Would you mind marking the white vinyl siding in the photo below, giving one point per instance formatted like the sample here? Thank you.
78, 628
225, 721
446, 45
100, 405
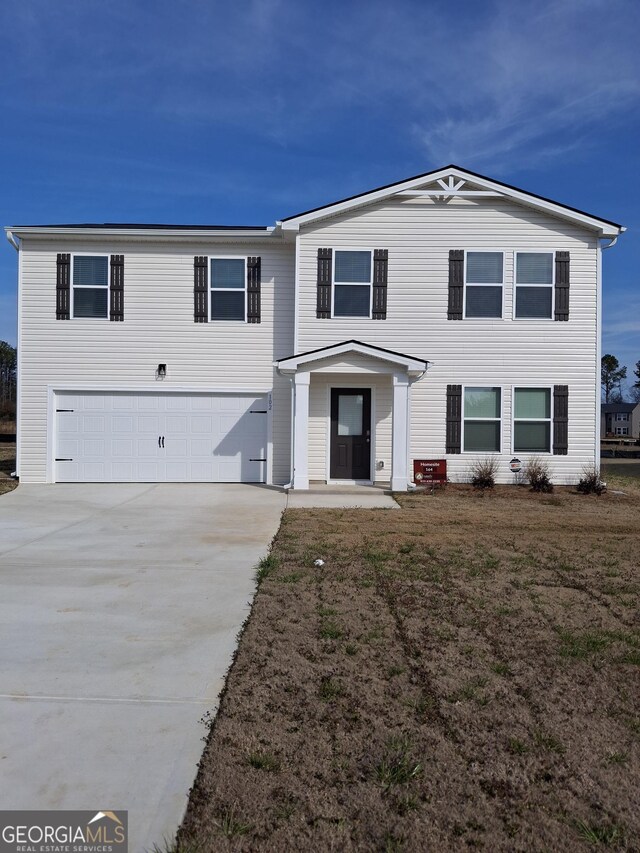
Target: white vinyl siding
484, 353
159, 328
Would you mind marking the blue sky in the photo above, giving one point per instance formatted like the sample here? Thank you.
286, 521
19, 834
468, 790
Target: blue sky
200, 111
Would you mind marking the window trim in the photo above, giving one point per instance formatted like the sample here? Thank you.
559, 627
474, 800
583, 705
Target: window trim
548, 420
622, 431
210, 287
72, 286
552, 286
463, 418
484, 250
335, 316
622, 416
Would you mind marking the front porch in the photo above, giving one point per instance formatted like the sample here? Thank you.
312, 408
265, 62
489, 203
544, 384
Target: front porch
351, 405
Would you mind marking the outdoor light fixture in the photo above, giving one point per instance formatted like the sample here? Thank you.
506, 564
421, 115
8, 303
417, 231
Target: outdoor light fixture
161, 372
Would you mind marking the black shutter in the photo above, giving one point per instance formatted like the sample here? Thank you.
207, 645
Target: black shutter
454, 419
380, 275
116, 288
323, 307
63, 287
562, 286
200, 286
456, 284
253, 290
560, 420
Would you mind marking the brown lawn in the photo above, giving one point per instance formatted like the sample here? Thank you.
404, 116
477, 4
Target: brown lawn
461, 673
7, 465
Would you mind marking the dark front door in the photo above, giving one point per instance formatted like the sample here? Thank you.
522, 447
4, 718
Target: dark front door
350, 434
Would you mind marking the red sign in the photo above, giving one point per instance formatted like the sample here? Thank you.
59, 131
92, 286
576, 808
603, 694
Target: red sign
429, 471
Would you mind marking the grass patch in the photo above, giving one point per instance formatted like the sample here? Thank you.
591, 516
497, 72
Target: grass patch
397, 766
264, 761
604, 835
266, 567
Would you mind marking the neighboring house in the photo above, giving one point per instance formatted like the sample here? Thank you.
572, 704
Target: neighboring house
447, 316
620, 419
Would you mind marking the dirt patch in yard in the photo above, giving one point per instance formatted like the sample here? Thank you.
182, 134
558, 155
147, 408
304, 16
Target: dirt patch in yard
7, 466
461, 673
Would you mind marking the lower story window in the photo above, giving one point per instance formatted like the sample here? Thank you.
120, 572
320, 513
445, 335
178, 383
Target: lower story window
482, 419
532, 420
622, 430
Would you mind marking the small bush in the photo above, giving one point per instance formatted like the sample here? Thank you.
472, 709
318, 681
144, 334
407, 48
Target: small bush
537, 472
590, 482
483, 473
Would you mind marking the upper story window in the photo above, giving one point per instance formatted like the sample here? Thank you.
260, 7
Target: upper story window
483, 279
534, 285
90, 278
622, 416
481, 414
532, 420
228, 289
352, 281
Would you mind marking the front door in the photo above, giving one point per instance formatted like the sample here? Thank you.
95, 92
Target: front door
350, 434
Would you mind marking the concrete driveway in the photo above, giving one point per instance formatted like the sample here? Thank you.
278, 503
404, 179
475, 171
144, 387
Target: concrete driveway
119, 610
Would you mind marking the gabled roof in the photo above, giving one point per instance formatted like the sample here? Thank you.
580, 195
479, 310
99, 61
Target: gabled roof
408, 362
618, 408
489, 185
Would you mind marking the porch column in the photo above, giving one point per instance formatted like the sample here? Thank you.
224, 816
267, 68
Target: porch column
301, 431
399, 433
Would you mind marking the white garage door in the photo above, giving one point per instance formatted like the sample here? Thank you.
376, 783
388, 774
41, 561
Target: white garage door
160, 438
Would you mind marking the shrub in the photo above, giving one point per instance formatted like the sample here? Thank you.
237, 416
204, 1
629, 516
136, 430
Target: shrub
483, 473
590, 482
537, 472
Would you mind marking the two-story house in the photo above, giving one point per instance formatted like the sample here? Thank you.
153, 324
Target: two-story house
621, 419
446, 316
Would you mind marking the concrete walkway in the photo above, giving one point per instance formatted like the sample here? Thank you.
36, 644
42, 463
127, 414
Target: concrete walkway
342, 497
119, 610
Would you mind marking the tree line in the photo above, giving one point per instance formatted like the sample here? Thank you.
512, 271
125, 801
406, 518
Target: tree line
8, 365
611, 375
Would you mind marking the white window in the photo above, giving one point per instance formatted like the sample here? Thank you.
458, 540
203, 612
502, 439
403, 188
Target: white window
352, 283
532, 420
483, 280
228, 288
622, 430
622, 416
534, 285
90, 279
482, 419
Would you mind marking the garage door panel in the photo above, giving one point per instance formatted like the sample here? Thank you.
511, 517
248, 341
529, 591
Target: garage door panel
122, 448
94, 447
115, 437
122, 423
93, 423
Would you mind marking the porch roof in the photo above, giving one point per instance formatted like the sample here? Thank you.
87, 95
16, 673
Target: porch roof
405, 362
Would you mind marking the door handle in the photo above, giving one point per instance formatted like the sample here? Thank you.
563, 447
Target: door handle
159, 445
163, 442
